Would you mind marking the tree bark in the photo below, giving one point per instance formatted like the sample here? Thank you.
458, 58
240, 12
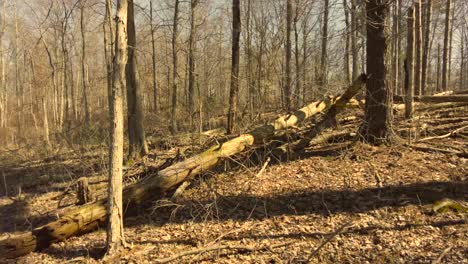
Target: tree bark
153, 60
298, 89
377, 128
418, 49
233, 94
409, 64
347, 44
191, 58
324, 54
445, 56
136, 131
426, 50
354, 37
174, 68
115, 232
84, 76
287, 84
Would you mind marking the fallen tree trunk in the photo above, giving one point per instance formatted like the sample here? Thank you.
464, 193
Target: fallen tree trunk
90, 216
328, 120
434, 99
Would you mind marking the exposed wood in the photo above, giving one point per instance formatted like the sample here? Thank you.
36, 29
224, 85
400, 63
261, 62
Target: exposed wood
435, 99
88, 217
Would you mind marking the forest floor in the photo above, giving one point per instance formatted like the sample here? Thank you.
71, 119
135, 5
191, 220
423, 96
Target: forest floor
356, 204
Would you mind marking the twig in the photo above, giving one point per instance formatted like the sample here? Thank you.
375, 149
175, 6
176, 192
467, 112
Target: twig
444, 253
217, 248
180, 190
454, 132
332, 235
263, 168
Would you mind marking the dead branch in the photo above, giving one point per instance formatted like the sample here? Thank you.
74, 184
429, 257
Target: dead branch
454, 132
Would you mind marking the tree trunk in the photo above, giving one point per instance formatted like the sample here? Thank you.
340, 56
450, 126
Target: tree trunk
174, 68
115, 232
426, 50
438, 88
445, 56
396, 47
378, 113
153, 60
251, 100
324, 54
419, 48
298, 89
450, 47
83, 65
354, 37
136, 130
409, 64
287, 84
347, 44
233, 94
108, 49
191, 58
462, 59
90, 216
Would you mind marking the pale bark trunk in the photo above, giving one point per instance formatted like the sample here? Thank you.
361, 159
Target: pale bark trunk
297, 57
396, 47
115, 233
438, 88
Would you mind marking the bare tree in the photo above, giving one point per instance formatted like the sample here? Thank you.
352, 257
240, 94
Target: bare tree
377, 128
153, 60
445, 56
191, 58
409, 65
115, 232
84, 74
233, 94
324, 56
136, 130
419, 48
347, 43
287, 84
174, 70
426, 46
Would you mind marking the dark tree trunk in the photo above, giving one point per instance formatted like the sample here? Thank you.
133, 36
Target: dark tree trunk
409, 66
378, 113
233, 94
445, 56
287, 84
136, 130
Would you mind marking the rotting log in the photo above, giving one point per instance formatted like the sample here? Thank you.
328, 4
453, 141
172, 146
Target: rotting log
434, 99
90, 216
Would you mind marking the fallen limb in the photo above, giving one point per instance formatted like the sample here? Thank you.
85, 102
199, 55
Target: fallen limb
434, 99
452, 133
88, 217
218, 248
462, 154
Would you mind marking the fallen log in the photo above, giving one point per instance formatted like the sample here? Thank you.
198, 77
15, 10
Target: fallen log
90, 216
328, 121
434, 99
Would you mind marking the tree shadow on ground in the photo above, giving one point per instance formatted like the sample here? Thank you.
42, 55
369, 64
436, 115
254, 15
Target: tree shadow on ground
322, 202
